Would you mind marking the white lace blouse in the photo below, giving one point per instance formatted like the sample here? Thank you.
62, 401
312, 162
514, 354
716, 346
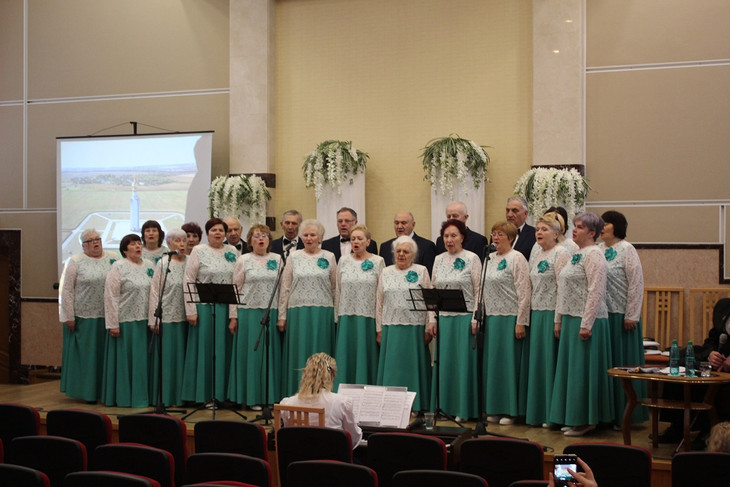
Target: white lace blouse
154, 255
625, 279
357, 285
461, 270
173, 300
255, 276
507, 287
127, 292
208, 265
82, 286
394, 301
545, 267
582, 287
308, 280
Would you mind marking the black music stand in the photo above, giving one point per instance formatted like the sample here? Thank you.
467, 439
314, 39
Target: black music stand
212, 293
438, 300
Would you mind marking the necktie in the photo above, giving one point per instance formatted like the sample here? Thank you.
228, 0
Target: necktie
286, 241
344, 239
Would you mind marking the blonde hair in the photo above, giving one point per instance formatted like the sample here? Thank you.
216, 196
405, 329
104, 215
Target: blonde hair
719, 439
555, 222
319, 373
363, 229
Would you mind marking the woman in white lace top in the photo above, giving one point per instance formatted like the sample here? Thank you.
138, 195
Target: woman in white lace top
152, 238
81, 311
208, 263
255, 276
356, 349
457, 368
126, 298
545, 266
624, 294
507, 308
173, 321
583, 392
404, 356
307, 304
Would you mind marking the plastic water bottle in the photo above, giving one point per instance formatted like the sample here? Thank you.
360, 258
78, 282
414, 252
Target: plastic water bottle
674, 359
689, 361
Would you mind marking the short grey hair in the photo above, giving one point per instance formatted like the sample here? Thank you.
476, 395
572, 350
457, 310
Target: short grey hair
175, 233
591, 220
522, 201
407, 240
311, 222
86, 233
294, 213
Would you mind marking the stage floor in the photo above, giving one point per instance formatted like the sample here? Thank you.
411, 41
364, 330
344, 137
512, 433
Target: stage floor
45, 396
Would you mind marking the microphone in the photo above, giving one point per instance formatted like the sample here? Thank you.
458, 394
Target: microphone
491, 248
288, 246
722, 341
172, 252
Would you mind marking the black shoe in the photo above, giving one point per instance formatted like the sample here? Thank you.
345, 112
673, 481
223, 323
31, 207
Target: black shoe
670, 435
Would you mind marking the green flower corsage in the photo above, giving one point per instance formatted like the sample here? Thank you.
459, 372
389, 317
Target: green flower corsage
230, 256
150, 272
412, 276
272, 265
576, 258
459, 264
610, 254
542, 266
323, 263
502, 265
366, 265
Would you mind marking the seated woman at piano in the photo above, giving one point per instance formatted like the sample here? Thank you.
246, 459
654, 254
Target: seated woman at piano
315, 390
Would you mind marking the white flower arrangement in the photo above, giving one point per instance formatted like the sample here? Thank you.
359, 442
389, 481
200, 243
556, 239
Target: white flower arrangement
546, 187
453, 159
333, 162
237, 195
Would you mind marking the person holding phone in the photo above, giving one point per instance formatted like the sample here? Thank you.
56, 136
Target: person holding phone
582, 479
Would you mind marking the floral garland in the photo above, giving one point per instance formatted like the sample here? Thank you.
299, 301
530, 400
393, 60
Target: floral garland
546, 187
452, 159
333, 162
234, 195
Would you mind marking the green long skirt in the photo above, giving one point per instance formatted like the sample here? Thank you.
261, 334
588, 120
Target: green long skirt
628, 349
541, 373
199, 355
583, 391
126, 371
174, 341
309, 330
456, 371
247, 381
505, 367
356, 351
82, 364
406, 362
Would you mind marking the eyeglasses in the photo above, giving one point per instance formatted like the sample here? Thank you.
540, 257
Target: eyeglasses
260, 235
498, 234
92, 240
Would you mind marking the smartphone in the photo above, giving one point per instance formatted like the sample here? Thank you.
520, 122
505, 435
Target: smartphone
562, 464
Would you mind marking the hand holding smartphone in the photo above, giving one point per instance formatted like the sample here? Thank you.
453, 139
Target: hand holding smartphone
560, 472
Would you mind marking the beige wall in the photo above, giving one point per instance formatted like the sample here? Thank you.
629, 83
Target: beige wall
390, 76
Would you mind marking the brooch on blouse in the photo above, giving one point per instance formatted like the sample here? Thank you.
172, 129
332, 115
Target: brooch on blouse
323, 263
610, 254
542, 266
230, 256
367, 265
502, 265
150, 272
271, 264
459, 264
576, 258
111, 261
412, 276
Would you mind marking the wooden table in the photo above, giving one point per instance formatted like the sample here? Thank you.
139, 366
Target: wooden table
654, 403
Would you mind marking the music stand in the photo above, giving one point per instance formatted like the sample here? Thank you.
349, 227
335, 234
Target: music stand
437, 300
213, 293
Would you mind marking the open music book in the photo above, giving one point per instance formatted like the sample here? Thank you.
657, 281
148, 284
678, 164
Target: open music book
379, 405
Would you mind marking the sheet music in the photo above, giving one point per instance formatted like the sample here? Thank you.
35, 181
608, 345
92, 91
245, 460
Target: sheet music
379, 405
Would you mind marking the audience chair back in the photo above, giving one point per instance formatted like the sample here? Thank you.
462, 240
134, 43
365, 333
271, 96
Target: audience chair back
327, 473
91, 428
136, 459
437, 478
706, 469
12, 475
17, 420
389, 453
52, 455
108, 479
615, 464
160, 431
231, 437
296, 443
501, 461
214, 467
297, 415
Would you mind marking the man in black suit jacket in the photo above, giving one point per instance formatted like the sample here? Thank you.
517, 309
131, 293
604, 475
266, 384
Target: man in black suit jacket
403, 223
233, 235
474, 242
346, 219
516, 213
290, 221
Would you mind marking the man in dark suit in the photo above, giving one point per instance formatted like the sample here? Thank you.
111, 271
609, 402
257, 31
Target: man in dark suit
474, 242
290, 241
516, 213
233, 235
403, 224
340, 244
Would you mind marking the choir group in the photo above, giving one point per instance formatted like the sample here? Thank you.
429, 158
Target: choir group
554, 314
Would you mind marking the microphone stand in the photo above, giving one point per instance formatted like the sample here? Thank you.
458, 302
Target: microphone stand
266, 415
